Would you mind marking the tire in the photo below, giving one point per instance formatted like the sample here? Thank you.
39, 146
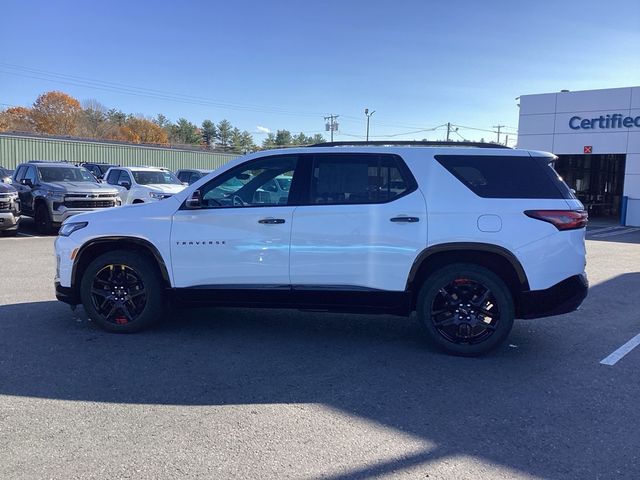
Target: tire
42, 220
465, 309
130, 297
136, 201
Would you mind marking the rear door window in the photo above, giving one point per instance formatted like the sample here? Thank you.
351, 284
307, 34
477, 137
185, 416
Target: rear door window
358, 178
503, 176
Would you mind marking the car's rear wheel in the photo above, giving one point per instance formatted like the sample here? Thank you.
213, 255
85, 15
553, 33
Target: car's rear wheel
121, 292
465, 309
42, 220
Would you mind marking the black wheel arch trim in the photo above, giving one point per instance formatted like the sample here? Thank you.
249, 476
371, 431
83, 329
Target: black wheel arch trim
136, 240
468, 246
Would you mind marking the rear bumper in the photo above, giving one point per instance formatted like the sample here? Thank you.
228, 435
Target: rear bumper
67, 294
564, 297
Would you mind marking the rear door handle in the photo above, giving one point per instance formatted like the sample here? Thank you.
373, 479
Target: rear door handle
271, 221
405, 219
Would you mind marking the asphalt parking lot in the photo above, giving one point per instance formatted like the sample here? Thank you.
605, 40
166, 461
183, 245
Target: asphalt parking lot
235, 393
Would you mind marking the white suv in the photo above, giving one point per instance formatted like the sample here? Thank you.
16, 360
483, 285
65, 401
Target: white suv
143, 184
469, 238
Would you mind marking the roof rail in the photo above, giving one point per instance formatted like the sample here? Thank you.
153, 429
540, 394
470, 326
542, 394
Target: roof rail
50, 161
409, 143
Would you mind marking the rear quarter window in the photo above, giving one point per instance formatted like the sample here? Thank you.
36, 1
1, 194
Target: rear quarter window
506, 176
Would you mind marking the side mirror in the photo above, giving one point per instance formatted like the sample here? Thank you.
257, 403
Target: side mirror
126, 185
27, 182
195, 201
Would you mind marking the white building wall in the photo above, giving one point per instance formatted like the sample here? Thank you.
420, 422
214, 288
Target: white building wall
544, 125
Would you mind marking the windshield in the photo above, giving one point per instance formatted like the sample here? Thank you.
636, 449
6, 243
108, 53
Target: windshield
284, 182
65, 174
155, 177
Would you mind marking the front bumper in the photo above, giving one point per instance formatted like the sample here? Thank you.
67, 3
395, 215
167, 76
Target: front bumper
60, 215
9, 220
67, 294
564, 297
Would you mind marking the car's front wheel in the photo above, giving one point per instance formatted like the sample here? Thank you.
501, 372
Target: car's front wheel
121, 292
465, 309
42, 220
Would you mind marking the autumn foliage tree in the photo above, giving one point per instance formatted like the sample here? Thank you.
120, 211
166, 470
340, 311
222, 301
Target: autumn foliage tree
18, 119
141, 130
56, 113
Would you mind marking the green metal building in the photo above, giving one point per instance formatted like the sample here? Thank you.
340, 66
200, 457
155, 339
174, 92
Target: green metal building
16, 148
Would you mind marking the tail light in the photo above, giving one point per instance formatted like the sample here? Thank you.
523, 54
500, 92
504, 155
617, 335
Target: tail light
561, 219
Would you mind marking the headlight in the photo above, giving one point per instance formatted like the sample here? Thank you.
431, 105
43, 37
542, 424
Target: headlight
157, 196
55, 196
68, 228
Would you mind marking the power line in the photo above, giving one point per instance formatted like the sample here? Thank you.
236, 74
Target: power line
141, 92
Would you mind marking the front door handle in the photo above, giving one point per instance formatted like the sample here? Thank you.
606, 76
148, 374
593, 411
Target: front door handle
405, 219
271, 221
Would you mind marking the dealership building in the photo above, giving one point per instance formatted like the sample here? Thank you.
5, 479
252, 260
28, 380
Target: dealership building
596, 136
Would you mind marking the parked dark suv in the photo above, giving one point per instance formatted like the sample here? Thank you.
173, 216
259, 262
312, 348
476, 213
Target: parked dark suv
51, 192
98, 169
191, 175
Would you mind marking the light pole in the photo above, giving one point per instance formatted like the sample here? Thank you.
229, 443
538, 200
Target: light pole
366, 112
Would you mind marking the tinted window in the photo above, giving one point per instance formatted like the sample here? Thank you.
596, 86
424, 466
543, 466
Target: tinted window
65, 174
102, 169
94, 169
31, 175
195, 176
124, 178
112, 178
184, 175
155, 177
357, 178
251, 184
506, 176
19, 174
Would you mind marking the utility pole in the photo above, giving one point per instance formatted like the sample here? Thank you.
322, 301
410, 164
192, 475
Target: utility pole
366, 112
449, 130
331, 125
498, 127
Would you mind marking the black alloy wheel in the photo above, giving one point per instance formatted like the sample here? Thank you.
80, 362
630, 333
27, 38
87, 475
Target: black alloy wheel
118, 294
122, 291
465, 309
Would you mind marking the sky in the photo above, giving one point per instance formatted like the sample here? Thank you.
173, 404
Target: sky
285, 65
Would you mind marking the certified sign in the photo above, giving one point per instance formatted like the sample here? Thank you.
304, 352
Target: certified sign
615, 120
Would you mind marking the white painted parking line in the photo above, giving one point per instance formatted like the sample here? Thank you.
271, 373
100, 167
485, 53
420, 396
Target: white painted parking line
592, 231
22, 234
615, 233
622, 351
